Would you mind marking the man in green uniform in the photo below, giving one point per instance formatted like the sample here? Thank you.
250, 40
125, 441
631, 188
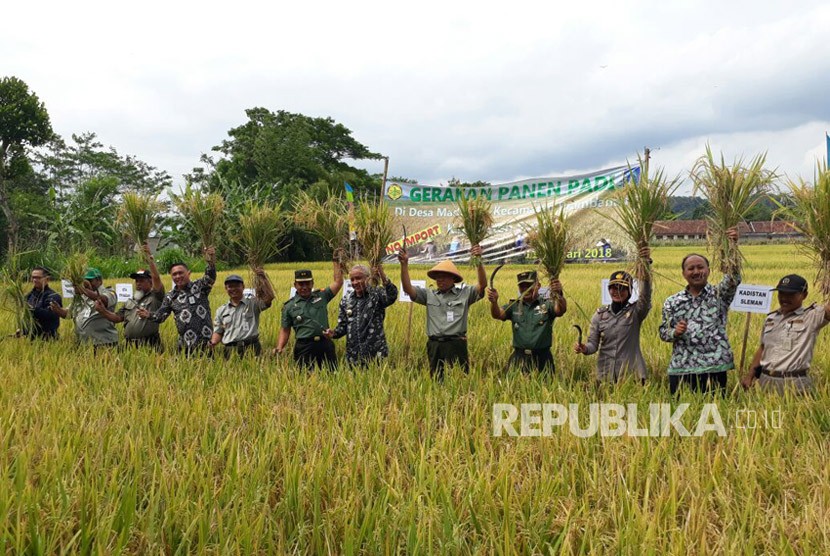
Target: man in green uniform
447, 309
236, 324
787, 340
149, 293
532, 318
307, 314
90, 326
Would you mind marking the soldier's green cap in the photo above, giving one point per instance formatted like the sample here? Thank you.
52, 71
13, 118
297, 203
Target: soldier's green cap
92, 274
302, 276
527, 277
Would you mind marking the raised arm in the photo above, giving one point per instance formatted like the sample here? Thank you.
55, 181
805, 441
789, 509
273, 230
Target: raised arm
560, 304
406, 283
158, 286
337, 281
389, 292
643, 305
495, 311
481, 274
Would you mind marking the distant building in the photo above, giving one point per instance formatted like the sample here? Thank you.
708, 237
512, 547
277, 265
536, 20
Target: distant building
669, 230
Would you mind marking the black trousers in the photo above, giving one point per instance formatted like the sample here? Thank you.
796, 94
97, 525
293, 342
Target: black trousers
443, 352
310, 352
538, 359
199, 347
243, 347
702, 382
153, 341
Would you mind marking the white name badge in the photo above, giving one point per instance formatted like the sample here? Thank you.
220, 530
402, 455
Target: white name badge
248, 293
124, 292
66, 289
402, 297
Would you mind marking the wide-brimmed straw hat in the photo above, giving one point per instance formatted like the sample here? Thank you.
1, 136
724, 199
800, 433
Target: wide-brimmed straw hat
447, 267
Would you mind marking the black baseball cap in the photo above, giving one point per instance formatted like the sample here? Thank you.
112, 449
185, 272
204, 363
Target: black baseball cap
302, 276
791, 283
141, 273
234, 278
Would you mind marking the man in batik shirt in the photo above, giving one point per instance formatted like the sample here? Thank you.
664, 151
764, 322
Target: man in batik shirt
188, 301
694, 321
362, 312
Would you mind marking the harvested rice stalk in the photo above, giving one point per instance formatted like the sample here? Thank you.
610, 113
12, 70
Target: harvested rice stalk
810, 215
203, 213
137, 216
476, 216
550, 240
13, 295
261, 236
374, 224
328, 220
732, 191
639, 203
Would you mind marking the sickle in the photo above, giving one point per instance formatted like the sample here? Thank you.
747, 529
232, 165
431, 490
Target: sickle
579, 329
404, 236
493, 276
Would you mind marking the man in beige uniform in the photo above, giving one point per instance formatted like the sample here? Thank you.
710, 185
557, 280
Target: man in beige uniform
237, 322
787, 340
90, 326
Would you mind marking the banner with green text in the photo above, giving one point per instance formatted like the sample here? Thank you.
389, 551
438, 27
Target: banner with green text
429, 213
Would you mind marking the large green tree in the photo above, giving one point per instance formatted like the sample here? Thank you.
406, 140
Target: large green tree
24, 124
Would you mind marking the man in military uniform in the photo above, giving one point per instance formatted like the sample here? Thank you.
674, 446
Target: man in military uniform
787, 340
532, 318
447, 310
307, 314
45, 322
90, 326
149, 293
189, 303
237, 322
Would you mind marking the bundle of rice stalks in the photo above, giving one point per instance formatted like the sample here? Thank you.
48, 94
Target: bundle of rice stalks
13, 294
74, 268
202, 212
732, 192
810, 214
639, 203
328, 220
137, 216
262, 234
476, 220
374, 225
550, 240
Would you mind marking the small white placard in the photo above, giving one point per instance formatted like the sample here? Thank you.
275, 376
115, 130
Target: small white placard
124, 292
606, 297
292, 293
248, 293
67, 289
402, 297
752, 299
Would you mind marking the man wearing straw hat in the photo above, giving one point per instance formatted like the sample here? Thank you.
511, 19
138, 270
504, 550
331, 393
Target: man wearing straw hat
787, 340
447, 309
532, 319
307, 314
237, 322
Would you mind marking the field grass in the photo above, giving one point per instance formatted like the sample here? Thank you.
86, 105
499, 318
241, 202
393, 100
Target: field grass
138, 453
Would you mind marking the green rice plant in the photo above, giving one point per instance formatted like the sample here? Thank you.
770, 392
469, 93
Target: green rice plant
476, 219
810, 215
137, 216
202, 212
550, 240
639, 203
262, 231
732, 192
328, 220
74, 269
13, 294
375, 227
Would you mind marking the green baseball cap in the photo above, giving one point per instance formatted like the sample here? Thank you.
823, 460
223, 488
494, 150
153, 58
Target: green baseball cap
92, 274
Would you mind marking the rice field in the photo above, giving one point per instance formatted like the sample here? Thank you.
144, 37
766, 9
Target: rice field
138, 453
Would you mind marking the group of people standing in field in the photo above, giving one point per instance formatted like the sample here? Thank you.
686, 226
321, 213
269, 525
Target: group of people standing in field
693, 320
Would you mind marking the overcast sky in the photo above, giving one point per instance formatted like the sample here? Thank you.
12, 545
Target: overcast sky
475, 90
